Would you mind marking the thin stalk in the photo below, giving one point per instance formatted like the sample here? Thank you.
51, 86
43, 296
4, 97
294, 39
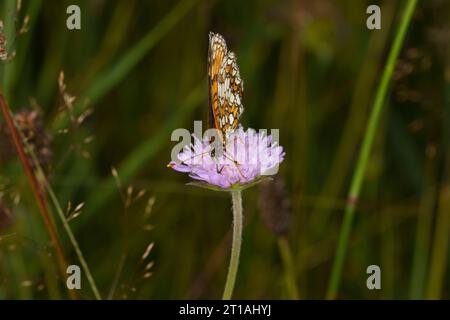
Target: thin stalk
19, 141
364, 154
112, 291
106, 80
37, 189
438, 272
8, 18
14, 67
424, 230
236, 198
438, 262
289, 270
140, 156
72, 239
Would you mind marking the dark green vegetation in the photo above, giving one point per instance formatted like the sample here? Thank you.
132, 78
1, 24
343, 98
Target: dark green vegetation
311, 69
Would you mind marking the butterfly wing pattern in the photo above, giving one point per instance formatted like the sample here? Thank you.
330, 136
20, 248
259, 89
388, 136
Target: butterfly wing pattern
225, 87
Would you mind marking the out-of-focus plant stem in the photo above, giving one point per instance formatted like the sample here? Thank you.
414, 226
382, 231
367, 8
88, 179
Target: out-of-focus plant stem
36, 187
19, 144
289, 270
438, 261
440, 247
364, 154
109, 78
9, 9
14, 68
424, 230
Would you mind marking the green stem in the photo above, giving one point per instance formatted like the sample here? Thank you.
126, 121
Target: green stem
288, 262
41, 176
364, 154
9, 7
438, 260
112, 292
236, 197
72, 238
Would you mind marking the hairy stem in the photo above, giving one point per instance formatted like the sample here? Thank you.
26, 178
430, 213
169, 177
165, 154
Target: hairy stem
236, 197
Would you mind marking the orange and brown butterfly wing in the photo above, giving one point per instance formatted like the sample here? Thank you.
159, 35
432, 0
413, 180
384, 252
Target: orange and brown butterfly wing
216, 54
225, 87
230, 90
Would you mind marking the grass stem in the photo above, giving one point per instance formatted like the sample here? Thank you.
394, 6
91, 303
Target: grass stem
19, 142
364, 154
288, 262
35, 186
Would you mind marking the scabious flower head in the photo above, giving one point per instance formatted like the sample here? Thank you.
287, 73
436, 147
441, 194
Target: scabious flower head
247, 157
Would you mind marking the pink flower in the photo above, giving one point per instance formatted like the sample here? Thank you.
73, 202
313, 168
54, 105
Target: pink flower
248, 157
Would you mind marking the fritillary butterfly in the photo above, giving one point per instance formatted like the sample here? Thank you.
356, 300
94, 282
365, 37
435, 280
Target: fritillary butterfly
225, 87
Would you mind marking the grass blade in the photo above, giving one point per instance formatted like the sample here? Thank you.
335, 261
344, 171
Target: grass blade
364, 154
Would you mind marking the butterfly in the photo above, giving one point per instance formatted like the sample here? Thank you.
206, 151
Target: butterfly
225, 88
225, 95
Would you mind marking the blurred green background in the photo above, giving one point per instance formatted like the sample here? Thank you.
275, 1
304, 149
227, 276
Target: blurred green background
311, 68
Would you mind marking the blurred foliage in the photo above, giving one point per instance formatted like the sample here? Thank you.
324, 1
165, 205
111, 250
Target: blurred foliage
138, 71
